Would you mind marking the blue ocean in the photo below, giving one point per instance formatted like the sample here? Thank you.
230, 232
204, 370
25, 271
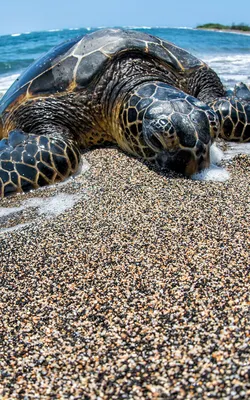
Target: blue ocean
227, 53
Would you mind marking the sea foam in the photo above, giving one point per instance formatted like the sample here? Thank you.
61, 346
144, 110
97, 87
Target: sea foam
6, 82
48, 207
214, 172
233, 149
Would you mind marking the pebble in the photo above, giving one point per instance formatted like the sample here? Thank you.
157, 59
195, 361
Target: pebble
140, 290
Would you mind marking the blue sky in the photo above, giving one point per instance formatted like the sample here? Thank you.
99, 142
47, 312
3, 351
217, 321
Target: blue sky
29, 15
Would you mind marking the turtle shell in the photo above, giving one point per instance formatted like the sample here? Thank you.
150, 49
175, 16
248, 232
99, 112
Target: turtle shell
74, 64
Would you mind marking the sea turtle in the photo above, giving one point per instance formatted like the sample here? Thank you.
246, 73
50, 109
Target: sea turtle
150, 97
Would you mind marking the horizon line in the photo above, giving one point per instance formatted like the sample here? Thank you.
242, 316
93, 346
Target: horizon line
89, 28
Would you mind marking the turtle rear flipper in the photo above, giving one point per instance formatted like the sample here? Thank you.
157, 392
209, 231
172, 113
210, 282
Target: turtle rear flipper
242, 91
234, 116
29, 161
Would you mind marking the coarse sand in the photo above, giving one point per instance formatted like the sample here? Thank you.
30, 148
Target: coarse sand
138, 290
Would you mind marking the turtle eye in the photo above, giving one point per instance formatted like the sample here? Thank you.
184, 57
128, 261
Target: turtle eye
166, 125
163, 122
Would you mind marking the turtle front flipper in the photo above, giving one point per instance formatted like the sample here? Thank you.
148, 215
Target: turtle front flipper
234, 114
29, 161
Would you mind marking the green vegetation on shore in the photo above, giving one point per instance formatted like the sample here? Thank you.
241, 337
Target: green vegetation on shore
233, 27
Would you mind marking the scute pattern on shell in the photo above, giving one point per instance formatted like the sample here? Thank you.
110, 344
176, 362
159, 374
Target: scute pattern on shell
72, 65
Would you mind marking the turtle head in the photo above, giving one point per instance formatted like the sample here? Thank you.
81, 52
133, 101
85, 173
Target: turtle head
180, 131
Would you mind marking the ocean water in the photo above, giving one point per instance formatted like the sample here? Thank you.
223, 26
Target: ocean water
227, 53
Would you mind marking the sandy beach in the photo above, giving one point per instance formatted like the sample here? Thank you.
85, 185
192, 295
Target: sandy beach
224, 31
138, 291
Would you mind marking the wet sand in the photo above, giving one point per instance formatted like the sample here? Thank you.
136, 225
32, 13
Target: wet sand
138, 291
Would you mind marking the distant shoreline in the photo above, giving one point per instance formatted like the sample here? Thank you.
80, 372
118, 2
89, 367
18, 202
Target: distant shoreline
237, 31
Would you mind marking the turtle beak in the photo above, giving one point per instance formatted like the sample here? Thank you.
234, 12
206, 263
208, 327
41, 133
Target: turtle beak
187, 162
198, 163
194, 166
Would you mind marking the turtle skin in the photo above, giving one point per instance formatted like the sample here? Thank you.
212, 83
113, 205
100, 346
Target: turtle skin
153, 99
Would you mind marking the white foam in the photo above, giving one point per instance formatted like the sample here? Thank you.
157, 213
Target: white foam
230, 80
50, 207
229, 32
4, 211
227, 58
138, 27
55, 205
6, 82
231, 68
213, 173
83, 167
15, 34
233, 149
184, 27
216, 154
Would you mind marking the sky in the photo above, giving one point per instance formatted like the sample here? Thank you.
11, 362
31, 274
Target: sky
34, 15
